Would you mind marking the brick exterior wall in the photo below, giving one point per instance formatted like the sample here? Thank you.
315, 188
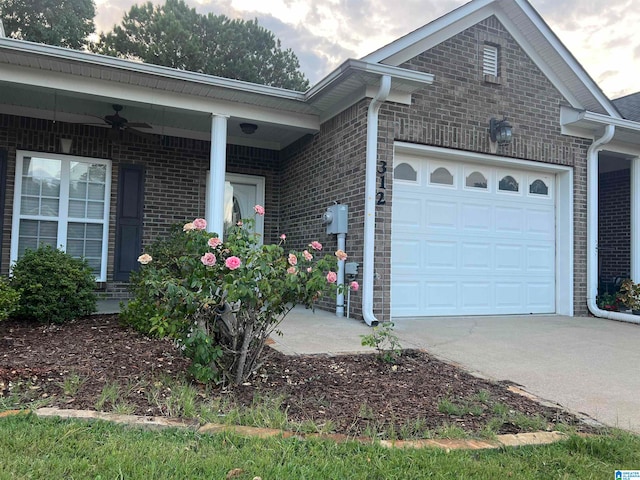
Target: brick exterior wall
175, 176
315, 172
614, 224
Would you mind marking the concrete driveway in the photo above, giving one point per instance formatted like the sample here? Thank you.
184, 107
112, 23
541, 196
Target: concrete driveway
587, 365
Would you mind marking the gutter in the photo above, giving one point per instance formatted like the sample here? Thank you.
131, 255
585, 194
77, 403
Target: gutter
592, 230
370, 200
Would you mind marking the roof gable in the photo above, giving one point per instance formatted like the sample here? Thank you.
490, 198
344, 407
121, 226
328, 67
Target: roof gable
531, 32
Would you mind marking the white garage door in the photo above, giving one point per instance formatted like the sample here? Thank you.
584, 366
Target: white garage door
471, 239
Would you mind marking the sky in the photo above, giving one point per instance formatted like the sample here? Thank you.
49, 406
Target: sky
603, 35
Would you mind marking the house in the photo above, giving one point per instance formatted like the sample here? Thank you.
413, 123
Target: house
445, 217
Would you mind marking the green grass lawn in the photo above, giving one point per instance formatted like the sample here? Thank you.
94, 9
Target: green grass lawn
31, 447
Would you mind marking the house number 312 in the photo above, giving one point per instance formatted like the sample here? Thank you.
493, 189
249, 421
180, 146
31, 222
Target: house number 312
382, 171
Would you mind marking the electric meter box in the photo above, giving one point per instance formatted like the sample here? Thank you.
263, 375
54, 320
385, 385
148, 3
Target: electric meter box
336, 219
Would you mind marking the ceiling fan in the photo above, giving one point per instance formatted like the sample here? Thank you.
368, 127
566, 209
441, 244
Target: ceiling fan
119, 124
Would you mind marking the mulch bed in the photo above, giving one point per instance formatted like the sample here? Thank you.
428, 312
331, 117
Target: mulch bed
353, 392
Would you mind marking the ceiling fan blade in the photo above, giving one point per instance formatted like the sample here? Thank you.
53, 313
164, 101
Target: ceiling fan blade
138, 125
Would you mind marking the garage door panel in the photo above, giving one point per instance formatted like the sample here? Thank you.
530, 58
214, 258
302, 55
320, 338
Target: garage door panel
407, 254
441, 255
509, 295
441, 215
540, 259
509, 219
476, 295
508, 258
409, 213
476, 256
441, 294
464, 251
476, 218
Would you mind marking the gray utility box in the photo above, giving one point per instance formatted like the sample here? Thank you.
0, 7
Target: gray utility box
336, 219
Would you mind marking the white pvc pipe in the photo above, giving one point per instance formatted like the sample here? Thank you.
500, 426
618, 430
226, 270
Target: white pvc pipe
592, 231
340, 296
370, 200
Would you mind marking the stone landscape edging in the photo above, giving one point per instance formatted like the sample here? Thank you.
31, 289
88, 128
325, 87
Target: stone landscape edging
500, 441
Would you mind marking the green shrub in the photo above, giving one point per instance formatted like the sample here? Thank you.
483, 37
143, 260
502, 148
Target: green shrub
9, 299
220, 301
54, 287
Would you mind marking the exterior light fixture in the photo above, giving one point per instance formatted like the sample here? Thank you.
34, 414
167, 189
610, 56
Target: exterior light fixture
65, 145
248, 128
500, 131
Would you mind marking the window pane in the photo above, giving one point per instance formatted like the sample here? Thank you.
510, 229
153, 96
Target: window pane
78, 190
34, 233
508, 184
75, 248
476, 180
30, 206
95, 209
77, 209
442, 176
96, 191
94, 231
51, 188
30, 186
538, 187
93, 248
404, 171
98, 173
49, 207
84, 240
75, 230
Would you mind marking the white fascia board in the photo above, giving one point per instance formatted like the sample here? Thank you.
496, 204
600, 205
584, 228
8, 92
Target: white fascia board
566, 55
151, 96
373, 68
570, 116
21, 47
431, 34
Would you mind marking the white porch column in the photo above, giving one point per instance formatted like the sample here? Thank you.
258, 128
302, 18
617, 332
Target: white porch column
635, 219
214, 209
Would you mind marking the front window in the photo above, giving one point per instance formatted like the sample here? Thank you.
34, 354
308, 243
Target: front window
62, 201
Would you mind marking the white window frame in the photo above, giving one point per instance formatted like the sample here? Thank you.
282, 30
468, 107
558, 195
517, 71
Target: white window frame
62, 218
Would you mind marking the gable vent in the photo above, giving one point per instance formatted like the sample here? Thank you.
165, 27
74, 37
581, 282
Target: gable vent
490, 60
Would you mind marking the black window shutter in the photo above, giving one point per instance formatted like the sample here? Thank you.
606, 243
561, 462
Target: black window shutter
3, 192
129, 220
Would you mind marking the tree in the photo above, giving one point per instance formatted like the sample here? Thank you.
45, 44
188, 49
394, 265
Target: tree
175, 35
66, 23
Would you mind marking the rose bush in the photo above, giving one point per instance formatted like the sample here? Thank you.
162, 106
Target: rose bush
221, 300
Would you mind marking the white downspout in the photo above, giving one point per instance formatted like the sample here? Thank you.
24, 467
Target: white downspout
592, 231
370, 200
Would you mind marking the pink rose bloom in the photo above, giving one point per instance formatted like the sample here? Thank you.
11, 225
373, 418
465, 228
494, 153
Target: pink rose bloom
259, 209
293, 260
144, 258
292, 270
283, 237
239, 224
309, 269
316, 245
307, 256
199, 224
232, 263
341, 255
188, 227
208, 259
355, 286
213, 242
332, 277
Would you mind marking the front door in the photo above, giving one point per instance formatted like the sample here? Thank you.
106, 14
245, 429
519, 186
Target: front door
241, 194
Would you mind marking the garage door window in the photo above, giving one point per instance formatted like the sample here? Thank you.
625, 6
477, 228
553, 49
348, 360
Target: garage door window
508, 184
404, 171
476, 180
539, 187
441, 176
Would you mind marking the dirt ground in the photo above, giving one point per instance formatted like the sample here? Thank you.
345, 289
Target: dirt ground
356, 394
